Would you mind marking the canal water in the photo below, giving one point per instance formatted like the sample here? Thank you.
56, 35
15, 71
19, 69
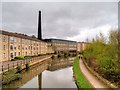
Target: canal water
58, 75
56, 79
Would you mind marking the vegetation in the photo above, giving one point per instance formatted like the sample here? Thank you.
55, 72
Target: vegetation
102, 56
59, 55
25, 57
19, 57
80, 78
66, 55
27, 66
10, 76
53, 56
19, 69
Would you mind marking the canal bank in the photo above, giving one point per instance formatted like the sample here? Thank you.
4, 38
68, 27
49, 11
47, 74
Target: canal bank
84, 78
79, 78
5, 66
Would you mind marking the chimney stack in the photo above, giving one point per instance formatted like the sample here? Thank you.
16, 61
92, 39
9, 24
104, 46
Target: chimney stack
39, 27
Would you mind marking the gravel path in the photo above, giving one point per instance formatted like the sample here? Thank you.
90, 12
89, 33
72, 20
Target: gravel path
91, 78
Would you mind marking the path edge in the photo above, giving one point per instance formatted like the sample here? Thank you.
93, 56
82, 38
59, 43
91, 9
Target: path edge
105, 81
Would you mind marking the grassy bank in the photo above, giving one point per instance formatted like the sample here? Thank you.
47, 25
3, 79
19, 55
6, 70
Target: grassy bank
80, 78
10, 76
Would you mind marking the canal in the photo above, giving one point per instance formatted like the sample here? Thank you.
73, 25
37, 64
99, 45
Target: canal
57, 74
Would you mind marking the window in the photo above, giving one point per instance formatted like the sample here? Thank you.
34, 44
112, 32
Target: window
22, 41
4, 39
19, 47
23, 53
19, 40
11, 55
29, 47
14, 40
15, 47
4, 55
26, 47
19, 54
11, 39
26, 53
4, 47
15, 54
11, 47
0, 38
23, 47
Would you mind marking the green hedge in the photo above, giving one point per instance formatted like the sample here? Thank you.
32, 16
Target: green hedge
19, 57
80, 78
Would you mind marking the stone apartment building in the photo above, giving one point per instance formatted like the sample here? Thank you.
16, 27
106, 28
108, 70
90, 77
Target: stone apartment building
60, 45
14, 44
81, 46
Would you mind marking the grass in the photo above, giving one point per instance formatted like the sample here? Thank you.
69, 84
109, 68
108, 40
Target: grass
10, 76
80, 78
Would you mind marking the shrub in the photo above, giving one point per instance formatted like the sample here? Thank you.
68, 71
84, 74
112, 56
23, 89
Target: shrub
10, 76
27, 57
27, 65
11, 71
39, 55
34, 56
19, 57
59, 55
12, 59
19, 68
53, 57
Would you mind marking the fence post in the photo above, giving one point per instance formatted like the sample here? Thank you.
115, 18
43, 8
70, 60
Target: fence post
2, 68
8, 67
13, 64
24, 61
17, 63
21, 62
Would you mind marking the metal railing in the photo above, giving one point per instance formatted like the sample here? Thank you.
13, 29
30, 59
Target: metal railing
22, 63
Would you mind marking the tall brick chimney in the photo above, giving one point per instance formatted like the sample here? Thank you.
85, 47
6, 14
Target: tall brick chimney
39, 27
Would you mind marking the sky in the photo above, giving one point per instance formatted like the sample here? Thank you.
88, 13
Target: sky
63, 20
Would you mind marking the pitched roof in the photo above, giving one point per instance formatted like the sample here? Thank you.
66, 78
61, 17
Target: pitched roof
19, 35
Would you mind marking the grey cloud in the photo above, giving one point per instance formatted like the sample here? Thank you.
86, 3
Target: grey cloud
59, 20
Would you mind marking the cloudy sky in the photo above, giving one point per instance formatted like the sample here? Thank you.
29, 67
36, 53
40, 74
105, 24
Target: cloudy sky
64, 20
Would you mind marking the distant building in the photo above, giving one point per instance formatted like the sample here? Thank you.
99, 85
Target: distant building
60, 45
81, 46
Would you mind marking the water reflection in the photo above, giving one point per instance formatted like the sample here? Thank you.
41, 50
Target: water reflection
58, 79
28, 76
39, 77
59, 63
40, 81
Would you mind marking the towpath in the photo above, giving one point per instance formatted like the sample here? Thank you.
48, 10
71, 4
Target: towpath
95, 82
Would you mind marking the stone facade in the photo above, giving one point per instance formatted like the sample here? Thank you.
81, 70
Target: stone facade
60, 45
14, 44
